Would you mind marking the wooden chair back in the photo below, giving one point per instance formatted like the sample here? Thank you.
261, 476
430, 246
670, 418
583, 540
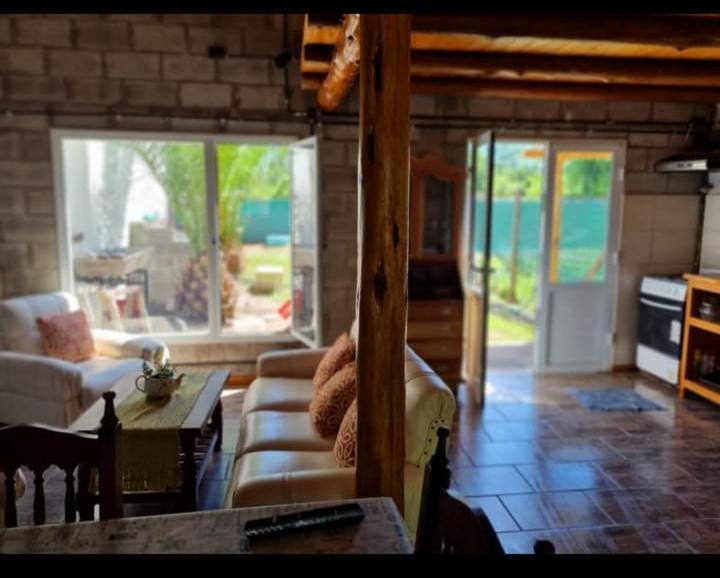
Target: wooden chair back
38, 447
447, 523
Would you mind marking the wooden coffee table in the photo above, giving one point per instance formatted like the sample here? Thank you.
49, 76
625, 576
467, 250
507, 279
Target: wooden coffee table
201, 434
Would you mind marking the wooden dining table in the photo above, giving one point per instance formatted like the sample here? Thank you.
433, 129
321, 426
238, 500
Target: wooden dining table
382, 531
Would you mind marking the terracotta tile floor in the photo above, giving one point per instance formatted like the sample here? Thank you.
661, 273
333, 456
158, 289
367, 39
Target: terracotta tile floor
541, 465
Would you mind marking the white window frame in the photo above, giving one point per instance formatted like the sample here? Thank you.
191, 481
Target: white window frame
209, 141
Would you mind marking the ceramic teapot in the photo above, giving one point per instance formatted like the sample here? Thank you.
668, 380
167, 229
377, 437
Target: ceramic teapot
155, 387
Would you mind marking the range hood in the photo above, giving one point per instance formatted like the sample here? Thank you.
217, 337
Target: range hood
690, 160
702, 155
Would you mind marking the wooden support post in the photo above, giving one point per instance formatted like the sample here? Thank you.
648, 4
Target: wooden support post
384, 175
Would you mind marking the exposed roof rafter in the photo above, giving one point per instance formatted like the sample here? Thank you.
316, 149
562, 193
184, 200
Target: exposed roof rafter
618, 57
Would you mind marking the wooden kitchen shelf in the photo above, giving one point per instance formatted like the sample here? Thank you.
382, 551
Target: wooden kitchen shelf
711, 326
698, 334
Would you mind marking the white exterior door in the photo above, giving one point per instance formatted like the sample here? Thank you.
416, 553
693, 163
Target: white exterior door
580, 257
306, 321
476, 260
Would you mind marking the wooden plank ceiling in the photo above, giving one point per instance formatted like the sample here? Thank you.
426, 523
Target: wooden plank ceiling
668, 57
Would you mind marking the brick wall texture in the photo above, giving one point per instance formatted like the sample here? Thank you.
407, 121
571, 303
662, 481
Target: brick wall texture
155, 66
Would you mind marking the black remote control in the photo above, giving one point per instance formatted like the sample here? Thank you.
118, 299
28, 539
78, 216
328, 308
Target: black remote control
303, 521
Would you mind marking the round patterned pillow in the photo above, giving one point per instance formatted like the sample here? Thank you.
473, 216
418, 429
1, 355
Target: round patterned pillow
346, 440
341, 353
332, 402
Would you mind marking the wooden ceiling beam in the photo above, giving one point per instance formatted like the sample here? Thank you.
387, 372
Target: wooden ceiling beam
655, 29
439, 64
466, 37
640, 71
565, 90
344, 66
527, 89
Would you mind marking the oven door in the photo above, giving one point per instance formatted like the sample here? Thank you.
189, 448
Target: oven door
660, 324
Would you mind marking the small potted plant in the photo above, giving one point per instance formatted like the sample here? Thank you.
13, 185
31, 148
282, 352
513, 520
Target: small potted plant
158, 380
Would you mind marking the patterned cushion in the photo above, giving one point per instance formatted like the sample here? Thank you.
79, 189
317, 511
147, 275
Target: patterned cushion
67, 336
340, 354
328, 407
346, 440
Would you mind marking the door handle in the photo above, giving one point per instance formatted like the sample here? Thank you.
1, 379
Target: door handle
661, 305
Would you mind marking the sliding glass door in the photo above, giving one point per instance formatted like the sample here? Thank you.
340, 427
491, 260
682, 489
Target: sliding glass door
186, 235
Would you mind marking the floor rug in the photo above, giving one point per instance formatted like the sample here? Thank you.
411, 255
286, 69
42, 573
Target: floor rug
614, 399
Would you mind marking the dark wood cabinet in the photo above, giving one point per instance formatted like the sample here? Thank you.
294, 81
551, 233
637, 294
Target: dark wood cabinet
435, 208
435, 296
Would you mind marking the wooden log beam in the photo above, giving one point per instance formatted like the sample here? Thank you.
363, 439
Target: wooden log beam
678, 32
565, 90
533, 90
507, 66
384, 165
641, 71
344, 66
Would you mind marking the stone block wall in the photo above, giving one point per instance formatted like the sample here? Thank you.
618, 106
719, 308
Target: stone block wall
660, 210
147, 71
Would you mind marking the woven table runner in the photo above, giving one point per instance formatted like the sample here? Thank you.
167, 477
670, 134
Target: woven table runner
150, 443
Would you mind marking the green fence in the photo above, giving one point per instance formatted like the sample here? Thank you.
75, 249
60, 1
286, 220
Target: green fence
584, 225
265, 219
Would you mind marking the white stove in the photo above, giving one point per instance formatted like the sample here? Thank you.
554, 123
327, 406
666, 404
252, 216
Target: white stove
660, 326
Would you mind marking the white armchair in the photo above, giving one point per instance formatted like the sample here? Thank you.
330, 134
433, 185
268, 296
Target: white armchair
41, 389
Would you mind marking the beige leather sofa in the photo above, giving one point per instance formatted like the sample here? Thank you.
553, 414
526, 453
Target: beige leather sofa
282, 459
41, 389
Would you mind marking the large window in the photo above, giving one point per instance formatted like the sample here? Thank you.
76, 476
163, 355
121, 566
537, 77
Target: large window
178, 235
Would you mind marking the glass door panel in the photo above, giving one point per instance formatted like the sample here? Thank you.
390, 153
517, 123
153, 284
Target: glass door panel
137, 222
478, 264
578, 250
580, 271
253, 237
305, 241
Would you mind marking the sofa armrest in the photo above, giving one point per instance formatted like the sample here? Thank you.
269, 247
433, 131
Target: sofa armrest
290, 363
118, 344
35, 376
294, 487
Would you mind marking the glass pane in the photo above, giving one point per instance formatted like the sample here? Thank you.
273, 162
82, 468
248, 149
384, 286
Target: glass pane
518, 173
138, 226
438, 221
479, 208
304, 239
254, 236
580, 217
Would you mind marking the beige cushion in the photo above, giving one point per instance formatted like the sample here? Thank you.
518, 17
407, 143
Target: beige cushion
272, 477
277, 430
264, 475
283, 477
101, 373
18, 329
279, 394
295, 363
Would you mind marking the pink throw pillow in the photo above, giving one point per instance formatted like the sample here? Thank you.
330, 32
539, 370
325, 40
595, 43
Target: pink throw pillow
67, 336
